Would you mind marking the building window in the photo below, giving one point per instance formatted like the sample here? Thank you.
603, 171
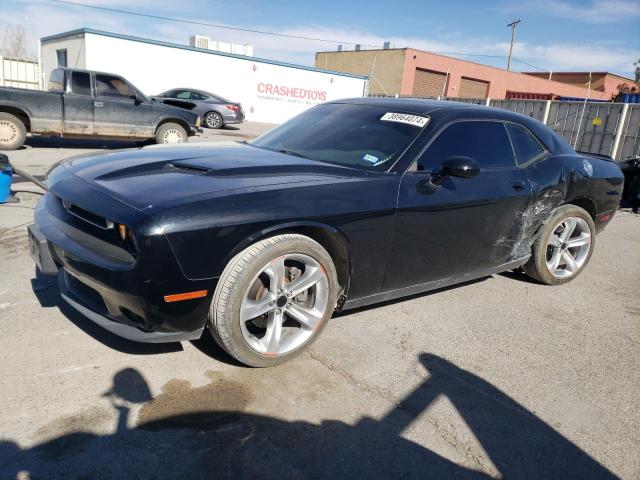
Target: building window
62, 57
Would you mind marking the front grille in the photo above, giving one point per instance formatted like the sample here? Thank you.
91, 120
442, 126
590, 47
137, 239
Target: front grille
93, 232
87, 216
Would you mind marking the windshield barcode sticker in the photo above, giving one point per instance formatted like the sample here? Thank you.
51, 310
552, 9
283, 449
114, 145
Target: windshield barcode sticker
414, 120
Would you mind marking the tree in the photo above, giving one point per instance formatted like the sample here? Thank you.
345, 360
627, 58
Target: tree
637, 65
15, 43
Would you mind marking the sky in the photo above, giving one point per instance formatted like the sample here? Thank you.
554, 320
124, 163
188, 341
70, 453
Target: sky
558, 35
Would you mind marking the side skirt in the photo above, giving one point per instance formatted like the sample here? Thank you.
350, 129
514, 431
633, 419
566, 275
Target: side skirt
425, 287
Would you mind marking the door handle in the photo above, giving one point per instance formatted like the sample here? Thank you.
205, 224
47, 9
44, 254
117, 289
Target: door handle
98, 104
518, 185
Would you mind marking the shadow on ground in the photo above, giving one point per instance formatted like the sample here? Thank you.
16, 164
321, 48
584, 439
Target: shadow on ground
205, 432
89, 143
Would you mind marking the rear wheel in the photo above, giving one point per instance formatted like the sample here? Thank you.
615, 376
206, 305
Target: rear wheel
213, 120
563, 246
171, 133
12, 132
273, 299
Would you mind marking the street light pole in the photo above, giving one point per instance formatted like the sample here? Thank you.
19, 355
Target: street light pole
513, 26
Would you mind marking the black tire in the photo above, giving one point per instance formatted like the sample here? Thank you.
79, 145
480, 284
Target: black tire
536, 267
237, 278
12, 132
167, 132
213, 120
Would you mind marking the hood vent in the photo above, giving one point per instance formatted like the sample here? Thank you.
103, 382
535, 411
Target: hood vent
190, 168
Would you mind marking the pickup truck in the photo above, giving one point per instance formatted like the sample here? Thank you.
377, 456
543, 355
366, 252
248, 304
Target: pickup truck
88, 104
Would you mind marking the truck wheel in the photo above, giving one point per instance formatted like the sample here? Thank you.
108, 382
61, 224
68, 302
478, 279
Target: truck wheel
171, 133
12, 132
273, 299
563, 246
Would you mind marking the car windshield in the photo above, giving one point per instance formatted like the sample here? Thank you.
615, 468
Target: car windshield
359, 136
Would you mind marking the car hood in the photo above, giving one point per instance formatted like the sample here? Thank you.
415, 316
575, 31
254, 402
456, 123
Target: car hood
149, 178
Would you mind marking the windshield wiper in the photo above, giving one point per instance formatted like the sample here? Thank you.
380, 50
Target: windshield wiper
291, 152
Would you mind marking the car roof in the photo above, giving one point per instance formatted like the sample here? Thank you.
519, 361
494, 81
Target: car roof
420, 105
447, 111
204, 92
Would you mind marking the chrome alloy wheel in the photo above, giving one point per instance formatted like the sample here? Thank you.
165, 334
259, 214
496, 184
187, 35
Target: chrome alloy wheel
284, 304
8, 132
213, 120
568, 247
172, 136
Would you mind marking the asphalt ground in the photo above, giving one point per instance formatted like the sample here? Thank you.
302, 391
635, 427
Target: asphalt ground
498, 378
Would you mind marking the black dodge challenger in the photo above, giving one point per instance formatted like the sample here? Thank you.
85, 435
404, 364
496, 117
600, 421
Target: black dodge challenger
351, 203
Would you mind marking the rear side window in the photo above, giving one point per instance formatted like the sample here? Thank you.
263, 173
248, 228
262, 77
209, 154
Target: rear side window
486, 142
56, 81
527, 148
198, 96
110, 86
81, 83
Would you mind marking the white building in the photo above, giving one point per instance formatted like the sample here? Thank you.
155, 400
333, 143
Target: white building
270, 91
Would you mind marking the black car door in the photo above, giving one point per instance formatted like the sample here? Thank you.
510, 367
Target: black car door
463, 226
118, 112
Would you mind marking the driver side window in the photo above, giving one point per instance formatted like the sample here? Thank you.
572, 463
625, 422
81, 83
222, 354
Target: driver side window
484, 141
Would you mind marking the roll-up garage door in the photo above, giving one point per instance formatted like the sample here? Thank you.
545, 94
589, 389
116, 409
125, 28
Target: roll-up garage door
470, 88
428, 84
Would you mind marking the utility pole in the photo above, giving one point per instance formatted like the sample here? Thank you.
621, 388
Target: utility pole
513, 26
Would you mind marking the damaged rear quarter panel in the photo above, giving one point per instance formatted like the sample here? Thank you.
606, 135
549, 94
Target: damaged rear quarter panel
555, 180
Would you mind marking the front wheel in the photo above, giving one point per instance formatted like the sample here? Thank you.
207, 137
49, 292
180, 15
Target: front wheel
171, 133
563, 246
273, 299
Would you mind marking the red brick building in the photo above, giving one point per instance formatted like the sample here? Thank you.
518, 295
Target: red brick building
407, 71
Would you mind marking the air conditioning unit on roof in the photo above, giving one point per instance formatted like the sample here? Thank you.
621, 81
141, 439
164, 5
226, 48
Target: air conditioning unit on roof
199, 41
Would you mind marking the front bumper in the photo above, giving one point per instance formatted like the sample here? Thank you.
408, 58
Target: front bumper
65, 282
124, 297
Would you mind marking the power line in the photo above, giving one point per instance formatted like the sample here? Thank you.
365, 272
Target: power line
261, 32
206, 24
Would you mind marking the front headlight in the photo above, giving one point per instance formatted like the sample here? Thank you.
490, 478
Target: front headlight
198, 122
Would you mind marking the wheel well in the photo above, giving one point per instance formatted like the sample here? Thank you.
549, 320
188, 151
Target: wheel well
21, 114
585, 203
179, 121
332, 243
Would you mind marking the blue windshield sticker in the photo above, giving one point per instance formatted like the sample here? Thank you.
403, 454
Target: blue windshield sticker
370, 158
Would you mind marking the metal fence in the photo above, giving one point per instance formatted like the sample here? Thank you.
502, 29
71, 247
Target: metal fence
589, 127
531, 108
15, 72
630, 134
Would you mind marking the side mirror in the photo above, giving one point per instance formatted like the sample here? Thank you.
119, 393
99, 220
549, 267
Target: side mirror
458, 166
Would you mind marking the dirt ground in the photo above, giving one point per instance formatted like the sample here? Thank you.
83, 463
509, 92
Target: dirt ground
499, 378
